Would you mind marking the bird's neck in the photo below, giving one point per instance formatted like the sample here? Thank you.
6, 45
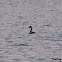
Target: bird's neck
31, 30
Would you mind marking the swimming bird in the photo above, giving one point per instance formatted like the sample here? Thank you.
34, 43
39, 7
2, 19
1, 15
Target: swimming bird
59, 59
54, 58
31, 30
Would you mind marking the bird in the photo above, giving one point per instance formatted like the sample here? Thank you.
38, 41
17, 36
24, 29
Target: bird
54, 58
59, 59
31, 30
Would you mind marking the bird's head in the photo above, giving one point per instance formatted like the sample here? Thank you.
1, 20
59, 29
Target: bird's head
30, 26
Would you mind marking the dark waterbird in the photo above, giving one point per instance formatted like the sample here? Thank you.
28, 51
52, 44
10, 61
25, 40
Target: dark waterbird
59, 59
56, 59
31, 30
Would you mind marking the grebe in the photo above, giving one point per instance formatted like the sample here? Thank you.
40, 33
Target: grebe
56, 59
31, 30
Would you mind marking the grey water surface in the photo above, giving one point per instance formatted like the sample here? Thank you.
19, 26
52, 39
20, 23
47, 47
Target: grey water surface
16, 44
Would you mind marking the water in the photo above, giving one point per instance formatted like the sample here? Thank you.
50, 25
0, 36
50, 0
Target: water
16, 44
